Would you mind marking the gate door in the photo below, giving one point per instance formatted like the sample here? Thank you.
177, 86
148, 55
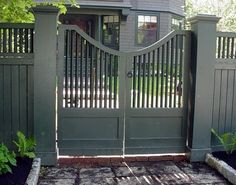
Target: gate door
156, 97
90, 97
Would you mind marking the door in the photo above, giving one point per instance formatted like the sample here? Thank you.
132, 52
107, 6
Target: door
90, 100
156, 98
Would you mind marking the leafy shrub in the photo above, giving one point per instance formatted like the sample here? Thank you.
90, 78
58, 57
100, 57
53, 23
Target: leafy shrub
228, 140
7, 159
25, 146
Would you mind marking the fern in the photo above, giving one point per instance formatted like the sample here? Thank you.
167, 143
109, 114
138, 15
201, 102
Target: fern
7, 159
25, 146
228, 140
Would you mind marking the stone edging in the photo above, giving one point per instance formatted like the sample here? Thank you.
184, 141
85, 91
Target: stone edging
227, 171
34, 172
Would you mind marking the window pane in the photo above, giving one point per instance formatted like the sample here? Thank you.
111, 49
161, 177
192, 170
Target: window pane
140, 25
105, 19
153, 19
147, 37
147, 30
116, 19
147, 19
111, 31
140, 18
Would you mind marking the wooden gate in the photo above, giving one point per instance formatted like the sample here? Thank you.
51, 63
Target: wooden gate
114, 103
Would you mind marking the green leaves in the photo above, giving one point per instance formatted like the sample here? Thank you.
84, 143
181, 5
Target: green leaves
18, 10
7, 159
228, 140
25, 146
226, 9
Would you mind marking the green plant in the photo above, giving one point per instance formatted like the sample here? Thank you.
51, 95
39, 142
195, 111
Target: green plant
228, 140
25, 146
7, 159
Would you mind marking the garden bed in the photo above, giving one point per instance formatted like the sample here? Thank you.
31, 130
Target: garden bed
221, 166
27, 170
229, 159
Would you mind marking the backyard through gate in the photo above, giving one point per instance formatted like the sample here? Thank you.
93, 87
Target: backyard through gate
114, 103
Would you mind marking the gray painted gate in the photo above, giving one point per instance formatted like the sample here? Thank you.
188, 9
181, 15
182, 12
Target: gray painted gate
114, 103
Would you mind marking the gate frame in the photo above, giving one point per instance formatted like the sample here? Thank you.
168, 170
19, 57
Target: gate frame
199, 118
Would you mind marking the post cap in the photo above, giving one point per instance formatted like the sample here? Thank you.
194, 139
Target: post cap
204, 17
45, 9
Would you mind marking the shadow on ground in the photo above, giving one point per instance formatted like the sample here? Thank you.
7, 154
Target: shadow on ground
136, 173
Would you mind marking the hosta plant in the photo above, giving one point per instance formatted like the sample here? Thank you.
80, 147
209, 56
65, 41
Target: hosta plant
7, 159
26, 146
228, 140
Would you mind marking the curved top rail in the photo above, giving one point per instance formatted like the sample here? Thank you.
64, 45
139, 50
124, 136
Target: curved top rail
90, 39
158, 43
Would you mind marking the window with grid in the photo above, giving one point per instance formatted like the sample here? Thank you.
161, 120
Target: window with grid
147, 30
111, 31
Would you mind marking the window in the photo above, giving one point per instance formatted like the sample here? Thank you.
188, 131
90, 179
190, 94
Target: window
111, 31
176, 23
147, 30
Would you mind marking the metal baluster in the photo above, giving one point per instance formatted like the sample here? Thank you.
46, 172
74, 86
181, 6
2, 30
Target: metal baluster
157, 77
171, 72
144, 81
176, 68
134, 82
115, 80
148, 80
153, 77
81, 72
162, 73
139, 80
167, 73
76, 69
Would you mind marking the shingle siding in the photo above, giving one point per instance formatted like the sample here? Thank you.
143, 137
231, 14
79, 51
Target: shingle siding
174, 6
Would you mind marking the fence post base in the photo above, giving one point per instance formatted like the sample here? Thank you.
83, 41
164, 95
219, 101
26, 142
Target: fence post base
195, 155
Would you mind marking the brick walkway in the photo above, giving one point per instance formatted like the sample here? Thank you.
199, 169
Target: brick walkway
133, 173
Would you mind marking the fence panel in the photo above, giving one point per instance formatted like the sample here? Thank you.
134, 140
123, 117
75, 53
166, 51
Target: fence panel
224, 105
16, 81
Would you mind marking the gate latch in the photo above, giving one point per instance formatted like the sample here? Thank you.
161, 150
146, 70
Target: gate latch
130, 74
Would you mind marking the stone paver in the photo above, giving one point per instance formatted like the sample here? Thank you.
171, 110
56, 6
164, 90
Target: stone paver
137, 173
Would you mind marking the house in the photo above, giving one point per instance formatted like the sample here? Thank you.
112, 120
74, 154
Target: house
126, 25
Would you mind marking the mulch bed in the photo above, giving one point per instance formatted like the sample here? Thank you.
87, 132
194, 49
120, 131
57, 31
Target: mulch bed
19, 173
229, 159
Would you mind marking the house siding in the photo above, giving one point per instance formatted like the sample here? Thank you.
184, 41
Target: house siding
173, 6
164, 9
128, 29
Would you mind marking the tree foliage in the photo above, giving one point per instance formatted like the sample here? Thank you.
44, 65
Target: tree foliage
19, 10
226, 9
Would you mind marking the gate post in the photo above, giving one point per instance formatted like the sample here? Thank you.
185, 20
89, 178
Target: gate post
45, 56
203, 29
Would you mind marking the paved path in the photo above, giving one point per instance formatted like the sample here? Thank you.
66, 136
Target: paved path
136, 173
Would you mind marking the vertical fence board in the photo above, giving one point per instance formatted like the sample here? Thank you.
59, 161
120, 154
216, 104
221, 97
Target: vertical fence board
30, 101
1, 104
23, 98
15, 100
230, 88
234, 105
216, 102
7, 106
223, 100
